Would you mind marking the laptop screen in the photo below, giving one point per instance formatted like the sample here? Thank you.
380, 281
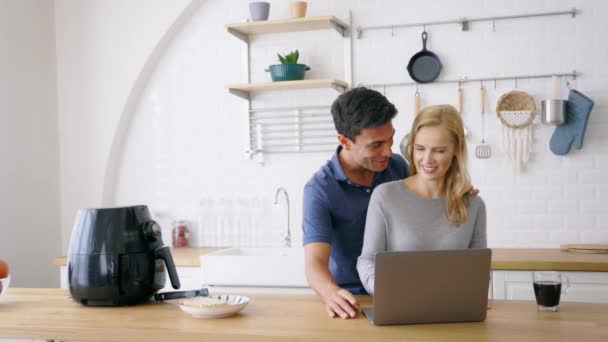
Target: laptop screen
431, 286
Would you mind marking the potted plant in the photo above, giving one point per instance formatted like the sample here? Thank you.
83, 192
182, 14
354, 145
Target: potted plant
289, 69
298, 9
259, 10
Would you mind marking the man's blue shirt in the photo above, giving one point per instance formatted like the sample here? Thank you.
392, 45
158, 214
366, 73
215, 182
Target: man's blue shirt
334, 212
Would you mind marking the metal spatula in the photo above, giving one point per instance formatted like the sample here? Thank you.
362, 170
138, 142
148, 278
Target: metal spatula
483, 150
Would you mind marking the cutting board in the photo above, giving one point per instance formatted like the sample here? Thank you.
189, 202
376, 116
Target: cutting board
585, 248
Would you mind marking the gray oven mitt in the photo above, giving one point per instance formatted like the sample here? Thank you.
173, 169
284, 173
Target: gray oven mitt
578, 109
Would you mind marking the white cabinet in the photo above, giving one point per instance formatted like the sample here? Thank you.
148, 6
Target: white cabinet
512, 285
584, 286
189, 278
63, 277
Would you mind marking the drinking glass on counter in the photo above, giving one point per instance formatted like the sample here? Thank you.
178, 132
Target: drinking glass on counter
548, 287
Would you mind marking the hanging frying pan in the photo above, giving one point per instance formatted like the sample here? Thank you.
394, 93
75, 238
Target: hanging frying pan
424, 66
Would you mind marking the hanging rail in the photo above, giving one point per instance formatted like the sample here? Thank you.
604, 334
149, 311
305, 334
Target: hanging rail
464, 22
573, 74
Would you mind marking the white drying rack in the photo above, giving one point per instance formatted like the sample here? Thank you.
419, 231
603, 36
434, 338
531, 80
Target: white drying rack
290, 130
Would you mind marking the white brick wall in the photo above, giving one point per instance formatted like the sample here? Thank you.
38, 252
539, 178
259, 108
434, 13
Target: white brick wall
554, 200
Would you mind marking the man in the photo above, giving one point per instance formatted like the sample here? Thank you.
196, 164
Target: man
337, 196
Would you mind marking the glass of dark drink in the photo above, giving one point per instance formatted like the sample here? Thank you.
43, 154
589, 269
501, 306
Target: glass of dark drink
548, 287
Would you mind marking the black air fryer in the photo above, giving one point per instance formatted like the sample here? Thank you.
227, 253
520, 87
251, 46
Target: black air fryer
116, 257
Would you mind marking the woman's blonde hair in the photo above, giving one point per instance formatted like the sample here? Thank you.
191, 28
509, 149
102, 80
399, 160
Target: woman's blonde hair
457, 182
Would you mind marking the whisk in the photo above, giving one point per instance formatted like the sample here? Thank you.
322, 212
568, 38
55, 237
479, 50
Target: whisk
483, 150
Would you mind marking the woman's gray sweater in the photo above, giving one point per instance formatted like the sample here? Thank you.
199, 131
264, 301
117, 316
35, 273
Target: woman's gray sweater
399, 220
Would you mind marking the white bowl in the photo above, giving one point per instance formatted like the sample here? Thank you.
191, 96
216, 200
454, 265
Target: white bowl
4, 282
235, 304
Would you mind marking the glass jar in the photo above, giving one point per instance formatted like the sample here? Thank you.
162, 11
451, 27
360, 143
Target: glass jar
180, 234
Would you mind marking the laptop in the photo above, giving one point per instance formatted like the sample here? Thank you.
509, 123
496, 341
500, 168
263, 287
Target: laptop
430, 287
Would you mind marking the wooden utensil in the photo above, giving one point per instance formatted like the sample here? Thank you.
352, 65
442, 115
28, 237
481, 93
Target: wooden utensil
416, 103
585, 248
403, 142
460, 105
483, 150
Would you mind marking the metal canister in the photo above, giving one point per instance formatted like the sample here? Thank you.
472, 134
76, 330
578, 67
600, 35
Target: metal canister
553, 112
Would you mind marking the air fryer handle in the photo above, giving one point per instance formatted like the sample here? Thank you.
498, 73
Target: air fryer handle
165, 253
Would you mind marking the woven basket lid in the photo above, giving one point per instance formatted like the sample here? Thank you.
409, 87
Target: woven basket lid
516, 101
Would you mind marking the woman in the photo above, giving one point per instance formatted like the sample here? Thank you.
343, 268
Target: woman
430, 209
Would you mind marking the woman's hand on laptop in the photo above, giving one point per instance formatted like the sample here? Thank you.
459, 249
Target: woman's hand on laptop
342, 303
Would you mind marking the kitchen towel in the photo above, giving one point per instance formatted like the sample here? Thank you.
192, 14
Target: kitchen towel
578, 109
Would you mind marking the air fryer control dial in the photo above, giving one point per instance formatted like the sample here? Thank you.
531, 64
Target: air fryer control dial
151, 230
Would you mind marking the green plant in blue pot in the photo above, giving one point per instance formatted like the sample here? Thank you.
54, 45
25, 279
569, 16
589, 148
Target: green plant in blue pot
289, 69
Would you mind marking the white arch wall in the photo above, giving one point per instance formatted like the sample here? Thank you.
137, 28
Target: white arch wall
102, 47
133, 101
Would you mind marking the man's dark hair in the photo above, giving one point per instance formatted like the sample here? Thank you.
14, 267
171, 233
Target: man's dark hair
361, 108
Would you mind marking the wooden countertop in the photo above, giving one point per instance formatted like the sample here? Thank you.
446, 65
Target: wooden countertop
50, 314
502, 259
547, 259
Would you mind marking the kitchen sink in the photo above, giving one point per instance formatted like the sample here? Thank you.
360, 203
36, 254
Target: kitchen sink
264, 267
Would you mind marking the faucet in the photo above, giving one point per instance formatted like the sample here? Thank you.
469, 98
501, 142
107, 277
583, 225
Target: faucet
287, 238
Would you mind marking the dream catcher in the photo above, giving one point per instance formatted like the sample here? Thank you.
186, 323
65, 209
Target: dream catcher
516, 112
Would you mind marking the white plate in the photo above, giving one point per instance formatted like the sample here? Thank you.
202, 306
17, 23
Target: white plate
235, 304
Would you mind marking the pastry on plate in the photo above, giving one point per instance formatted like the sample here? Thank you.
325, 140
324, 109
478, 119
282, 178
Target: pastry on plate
204, 302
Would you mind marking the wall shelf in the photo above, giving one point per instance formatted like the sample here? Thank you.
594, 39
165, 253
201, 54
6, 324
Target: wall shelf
255, 139
243, 90
244, 30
